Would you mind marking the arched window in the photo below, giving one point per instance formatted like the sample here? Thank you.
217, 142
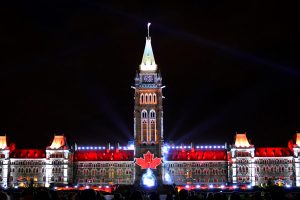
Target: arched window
146, 98
144, 114
152, 128
150, 99
152, 114
144, 126
142, 98
111, 174
154, 98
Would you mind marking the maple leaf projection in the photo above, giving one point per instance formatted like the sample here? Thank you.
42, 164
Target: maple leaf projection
148, 161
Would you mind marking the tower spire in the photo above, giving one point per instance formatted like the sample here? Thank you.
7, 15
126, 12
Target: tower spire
148, 26
148, 62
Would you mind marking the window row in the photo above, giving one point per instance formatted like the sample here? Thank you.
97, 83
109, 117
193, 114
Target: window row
152, 114
57, 170
243, 179
210, 172
101, 165
94, 172
202, 164
57, 179
243, 154
57, 155
57, 162
26, 162
243, 169
28, 178
273, 161
181, 180
243, 161
28, 170
148, 98
104, 181
274, 169
148, 126
189, 173
267, 178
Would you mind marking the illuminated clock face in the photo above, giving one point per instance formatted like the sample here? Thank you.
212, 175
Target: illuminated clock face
148, 78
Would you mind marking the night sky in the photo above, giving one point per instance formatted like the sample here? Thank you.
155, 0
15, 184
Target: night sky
67, 67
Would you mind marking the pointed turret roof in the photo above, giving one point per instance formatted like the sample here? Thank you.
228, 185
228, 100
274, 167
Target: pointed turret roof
241, 140
3, 143
58, 142
148, 62
298, 139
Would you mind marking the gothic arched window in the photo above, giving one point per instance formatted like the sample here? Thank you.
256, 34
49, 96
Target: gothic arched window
144, 126
144, 114
146, 98
152, 114
154, 98
150, 99
142, 98
152, 128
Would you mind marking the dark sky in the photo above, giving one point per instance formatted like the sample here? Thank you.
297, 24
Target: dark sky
67, 67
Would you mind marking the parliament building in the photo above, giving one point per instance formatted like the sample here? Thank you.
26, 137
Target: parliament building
148, 160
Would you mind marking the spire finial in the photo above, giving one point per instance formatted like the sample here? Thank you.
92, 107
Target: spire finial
148, 62
148, 25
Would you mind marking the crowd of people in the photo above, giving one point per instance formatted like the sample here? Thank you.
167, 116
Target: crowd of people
136, 194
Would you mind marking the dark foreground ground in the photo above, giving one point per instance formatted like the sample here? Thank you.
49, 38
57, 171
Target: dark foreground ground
130, 193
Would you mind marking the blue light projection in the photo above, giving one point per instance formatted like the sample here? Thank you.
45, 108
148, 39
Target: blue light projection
148, 178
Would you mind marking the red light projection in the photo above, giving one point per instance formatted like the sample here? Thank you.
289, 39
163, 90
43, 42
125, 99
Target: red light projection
148, 161
273, 152
104, 155
28, 153
196, 155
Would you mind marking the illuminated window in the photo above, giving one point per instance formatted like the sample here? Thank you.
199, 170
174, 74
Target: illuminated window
120, 172
144, 114
144, 126
154, 98
152, 128
142, 99
189, 174
146, 98
111, 174
150, 99
152, 114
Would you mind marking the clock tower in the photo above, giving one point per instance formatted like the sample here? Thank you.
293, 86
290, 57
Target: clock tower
148, 112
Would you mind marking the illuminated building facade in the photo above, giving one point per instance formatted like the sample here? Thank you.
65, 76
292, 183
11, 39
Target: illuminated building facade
148, 160
38, 167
